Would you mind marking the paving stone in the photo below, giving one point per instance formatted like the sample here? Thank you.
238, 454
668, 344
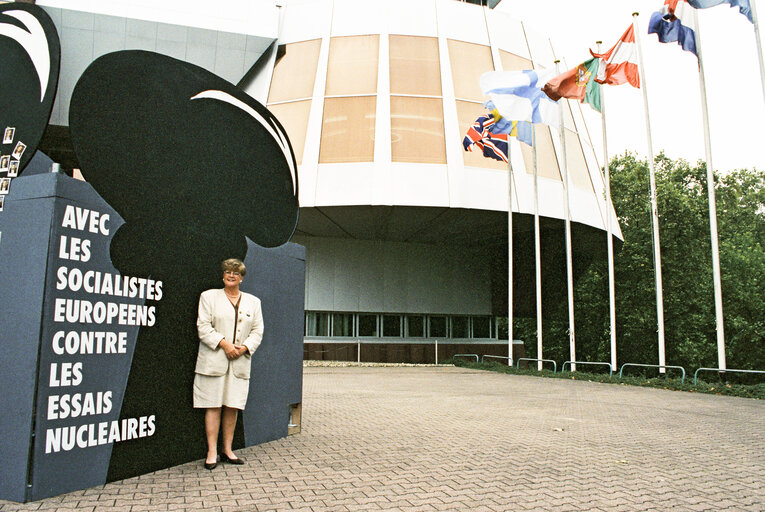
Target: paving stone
414, 438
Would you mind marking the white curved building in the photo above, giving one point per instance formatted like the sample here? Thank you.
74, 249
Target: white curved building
406, 234
402, 227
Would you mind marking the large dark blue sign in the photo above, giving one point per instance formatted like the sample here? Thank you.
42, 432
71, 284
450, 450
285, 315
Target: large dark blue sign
184, 170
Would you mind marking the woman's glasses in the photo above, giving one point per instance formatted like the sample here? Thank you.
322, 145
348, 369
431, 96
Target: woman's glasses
231, 273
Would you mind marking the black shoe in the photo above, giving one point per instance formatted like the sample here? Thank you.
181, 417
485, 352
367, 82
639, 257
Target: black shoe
226, 458
211, 465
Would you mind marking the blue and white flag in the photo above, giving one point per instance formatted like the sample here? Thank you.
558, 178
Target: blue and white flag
521, 130
743, 5
675, 22
518, 95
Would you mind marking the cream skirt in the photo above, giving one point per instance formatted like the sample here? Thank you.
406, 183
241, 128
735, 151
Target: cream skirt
225, 390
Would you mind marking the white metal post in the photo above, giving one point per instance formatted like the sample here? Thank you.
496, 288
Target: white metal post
654, 204
537, 249
609, 235
752, 4
712, 208
509, 257
567, 208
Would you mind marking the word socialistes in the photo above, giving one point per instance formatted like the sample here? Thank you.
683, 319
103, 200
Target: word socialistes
104, 283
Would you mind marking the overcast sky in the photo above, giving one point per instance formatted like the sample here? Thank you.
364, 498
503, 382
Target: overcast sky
734, 88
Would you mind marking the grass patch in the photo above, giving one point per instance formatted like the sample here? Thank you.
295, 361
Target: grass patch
672, 381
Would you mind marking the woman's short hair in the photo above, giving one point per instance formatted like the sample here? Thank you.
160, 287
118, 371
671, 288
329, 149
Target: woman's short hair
234, 265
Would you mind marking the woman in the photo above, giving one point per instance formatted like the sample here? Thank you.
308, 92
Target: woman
230, 326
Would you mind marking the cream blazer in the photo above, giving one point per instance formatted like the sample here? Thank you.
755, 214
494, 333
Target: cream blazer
216, 321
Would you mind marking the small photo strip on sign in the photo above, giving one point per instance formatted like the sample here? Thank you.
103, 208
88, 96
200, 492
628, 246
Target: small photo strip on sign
13, 169
5, 185
2, 202
8, 135
4, 162
19, 150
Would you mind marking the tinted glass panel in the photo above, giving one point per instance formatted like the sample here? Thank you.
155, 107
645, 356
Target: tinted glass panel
317, 324
392, 325
294, 118
415, 326
342, 324
417, 130
469, 61
481, 327
437, 327
347, 132
352, 67
414, 66
295, 72
459, 327
367, 325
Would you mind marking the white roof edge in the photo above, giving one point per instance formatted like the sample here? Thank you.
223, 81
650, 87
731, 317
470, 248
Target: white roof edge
249, 17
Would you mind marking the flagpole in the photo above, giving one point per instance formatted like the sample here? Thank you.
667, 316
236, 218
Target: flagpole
569, 259
712, 205
654, 206
537, 249
752, 4
609, 236
509, 256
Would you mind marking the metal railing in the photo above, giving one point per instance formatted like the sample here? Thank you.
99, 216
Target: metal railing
518, 361
610, 368
720, 370
653, 366
495, 357
467, 355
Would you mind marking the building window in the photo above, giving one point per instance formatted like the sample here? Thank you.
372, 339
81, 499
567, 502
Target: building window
293, 115
289, 97
415, 68
547, 162
348, 125
417, 116
295, 72
437, 326
469, 61
459, 327
368, 325
417, 130
415, 326
317, 324
579, 176
348, 128
342, 324
481, 327
391, 326
373, 325
352, 66
512, 62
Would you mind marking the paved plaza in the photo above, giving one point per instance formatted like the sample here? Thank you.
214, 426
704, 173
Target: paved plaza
445, 438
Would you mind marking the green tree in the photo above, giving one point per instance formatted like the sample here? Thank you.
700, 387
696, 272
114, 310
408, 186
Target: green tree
689, 312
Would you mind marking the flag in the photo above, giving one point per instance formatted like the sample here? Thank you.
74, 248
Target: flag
490, 133
576, 84
521, 130
675, 22
518, 95
743, 5
619, 64
479, 136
